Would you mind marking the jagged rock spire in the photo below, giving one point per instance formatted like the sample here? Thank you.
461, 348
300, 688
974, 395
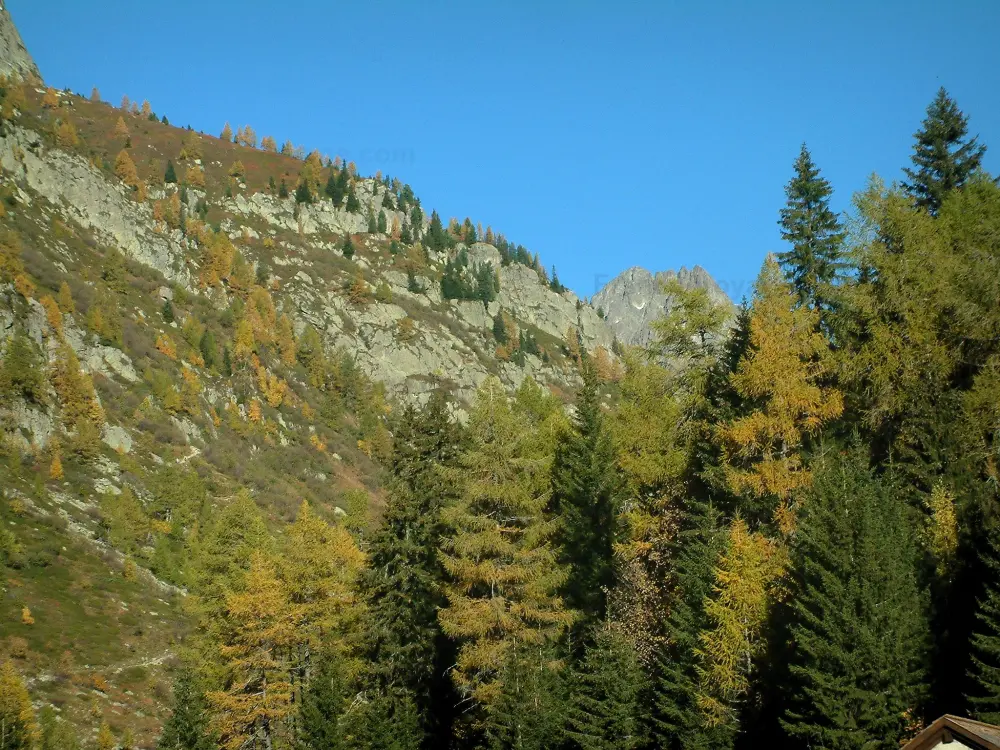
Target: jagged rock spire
15, 60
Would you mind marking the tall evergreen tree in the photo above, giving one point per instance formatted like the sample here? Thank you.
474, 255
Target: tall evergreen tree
943, 157
858, 614
530, 712
583, 494
404, 583
814, 233
323, 705
606, 711
677, 721
986, 643
187, 727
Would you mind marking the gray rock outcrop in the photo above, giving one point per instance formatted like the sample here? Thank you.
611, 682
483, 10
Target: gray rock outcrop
635, 298
15, 61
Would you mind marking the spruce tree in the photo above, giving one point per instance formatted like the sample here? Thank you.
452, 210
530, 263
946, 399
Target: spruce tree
858, 617
985, 671
403, 586
187, 727
323, 705
384, 722
583, 495
530, 713
353, 204
943, 157
677, 721
170, 176
814, 232
605, 711
347, 248
303, 194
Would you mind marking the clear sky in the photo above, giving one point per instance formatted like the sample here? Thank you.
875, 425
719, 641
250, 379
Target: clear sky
601, 135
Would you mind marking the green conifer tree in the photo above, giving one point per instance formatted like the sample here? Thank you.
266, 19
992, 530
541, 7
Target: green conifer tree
606, 710
324, 703
187, 726
985, 671
858, 617
353, 204
170, 176
943, 157
814, 232
404, 583
583, 495
347, 248
677, 721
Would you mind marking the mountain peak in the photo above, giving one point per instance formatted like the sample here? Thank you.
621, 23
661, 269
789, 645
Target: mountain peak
15, 60
634, 299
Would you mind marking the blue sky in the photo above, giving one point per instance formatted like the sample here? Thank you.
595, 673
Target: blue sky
601, 135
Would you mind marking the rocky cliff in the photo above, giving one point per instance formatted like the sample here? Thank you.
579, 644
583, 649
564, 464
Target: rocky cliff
15, 61
635, 298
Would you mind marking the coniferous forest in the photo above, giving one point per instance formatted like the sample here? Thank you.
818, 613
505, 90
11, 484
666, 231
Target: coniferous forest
776, 526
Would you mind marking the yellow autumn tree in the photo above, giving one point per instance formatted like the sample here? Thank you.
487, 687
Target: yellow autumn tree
501, 560
65, 299
217, 256
747, 581
320, 568
17, 716
286, 340
53, 315
246, 136
125, 169
74, 389
267, 143
55, 466
227, 133
51, 98
121, 129
105, 737
147, 108
942, 529
194, 176
243, 341
66, 135
784, 375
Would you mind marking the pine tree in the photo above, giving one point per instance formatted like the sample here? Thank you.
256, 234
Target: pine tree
985, 670
187, 726
814, 232
583, 494
943, 157
18, 730
857, 613
404, 584
606, 712
503, 568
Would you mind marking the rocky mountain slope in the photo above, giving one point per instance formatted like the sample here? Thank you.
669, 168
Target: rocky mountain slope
635, 298
15, 61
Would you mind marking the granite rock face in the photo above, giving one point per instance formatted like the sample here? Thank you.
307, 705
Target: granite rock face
635, 298
15, 61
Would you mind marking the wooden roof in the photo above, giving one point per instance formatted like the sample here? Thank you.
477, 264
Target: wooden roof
976, 734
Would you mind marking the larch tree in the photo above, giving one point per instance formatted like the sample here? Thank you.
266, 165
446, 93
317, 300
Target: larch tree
747, 583
944, 157
18, 729
500, 557
814, 232
319, 568
125, 169
227, 133
858, 615
783, 374
404, 584
253, 707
